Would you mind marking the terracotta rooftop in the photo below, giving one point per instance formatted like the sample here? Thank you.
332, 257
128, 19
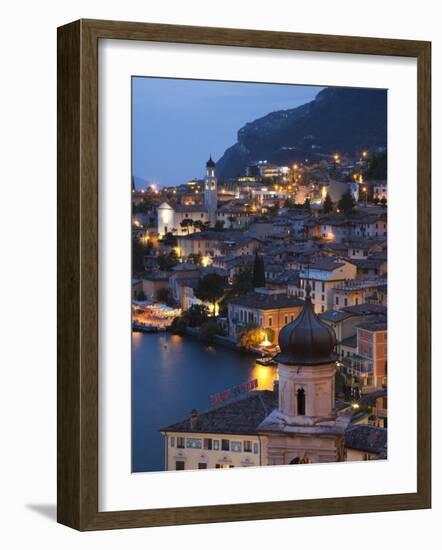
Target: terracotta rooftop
266, 301
241, 416
364, 437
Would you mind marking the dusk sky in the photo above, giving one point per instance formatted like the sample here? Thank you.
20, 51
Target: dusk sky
177, 124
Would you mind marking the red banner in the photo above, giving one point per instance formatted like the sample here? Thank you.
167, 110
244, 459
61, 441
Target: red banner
225, 395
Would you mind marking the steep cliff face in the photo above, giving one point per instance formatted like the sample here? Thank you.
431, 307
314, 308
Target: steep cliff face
338, 119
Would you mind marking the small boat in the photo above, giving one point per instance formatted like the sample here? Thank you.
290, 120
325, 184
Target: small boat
140, 327
266, 361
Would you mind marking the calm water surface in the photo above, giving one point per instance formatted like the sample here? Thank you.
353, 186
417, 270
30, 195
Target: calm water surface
171, 375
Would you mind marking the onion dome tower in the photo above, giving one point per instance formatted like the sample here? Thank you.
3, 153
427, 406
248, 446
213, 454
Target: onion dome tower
307, 341
211, 191
307, 366
305, 426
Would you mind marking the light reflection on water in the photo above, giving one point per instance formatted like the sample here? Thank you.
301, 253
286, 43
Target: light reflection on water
172, 375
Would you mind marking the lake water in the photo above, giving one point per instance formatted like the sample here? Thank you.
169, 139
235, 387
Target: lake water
171, 375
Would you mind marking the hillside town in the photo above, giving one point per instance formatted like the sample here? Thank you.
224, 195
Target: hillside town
288, 264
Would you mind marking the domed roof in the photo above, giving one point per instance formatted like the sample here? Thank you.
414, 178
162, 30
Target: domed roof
210, 163
307, 340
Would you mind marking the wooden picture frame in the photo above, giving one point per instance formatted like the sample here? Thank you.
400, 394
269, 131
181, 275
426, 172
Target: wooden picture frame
78, 274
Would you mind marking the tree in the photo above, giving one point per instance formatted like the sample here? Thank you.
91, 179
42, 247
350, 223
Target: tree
346, 202
242, 281
327, 205
186, 223
167, 261
140, 249
384, 201
377, 167
196, 259
210, 289
307, 205
259, 278
196, 315
140, 296
178, 325
169, 239
252, 335
219, 225
163, 295
198, 224
142, 206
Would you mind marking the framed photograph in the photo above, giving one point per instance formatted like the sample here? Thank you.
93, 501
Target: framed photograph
238, 210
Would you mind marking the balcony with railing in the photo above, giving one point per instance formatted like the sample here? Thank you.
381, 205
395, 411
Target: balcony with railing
358, 284
358, 366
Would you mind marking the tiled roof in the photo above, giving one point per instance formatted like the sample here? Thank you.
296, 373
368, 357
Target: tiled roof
364, 437
335, 315
233, 261
326, 265
365, 309
370, 398
350, 342
156, 276
266, 301
237, 237
369, 263
380, 323
241, 416
188, 208
191, 282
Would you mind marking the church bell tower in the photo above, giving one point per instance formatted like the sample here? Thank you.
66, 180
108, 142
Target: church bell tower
211, 191
306, 426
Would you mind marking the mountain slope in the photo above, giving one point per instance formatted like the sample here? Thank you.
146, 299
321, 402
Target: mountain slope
338, 119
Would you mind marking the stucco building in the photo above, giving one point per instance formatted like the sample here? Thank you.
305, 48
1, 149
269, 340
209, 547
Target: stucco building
171, 215
266, 307
323, 274
296, 423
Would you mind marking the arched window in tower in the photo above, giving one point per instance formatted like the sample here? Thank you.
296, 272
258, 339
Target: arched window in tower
301, 402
